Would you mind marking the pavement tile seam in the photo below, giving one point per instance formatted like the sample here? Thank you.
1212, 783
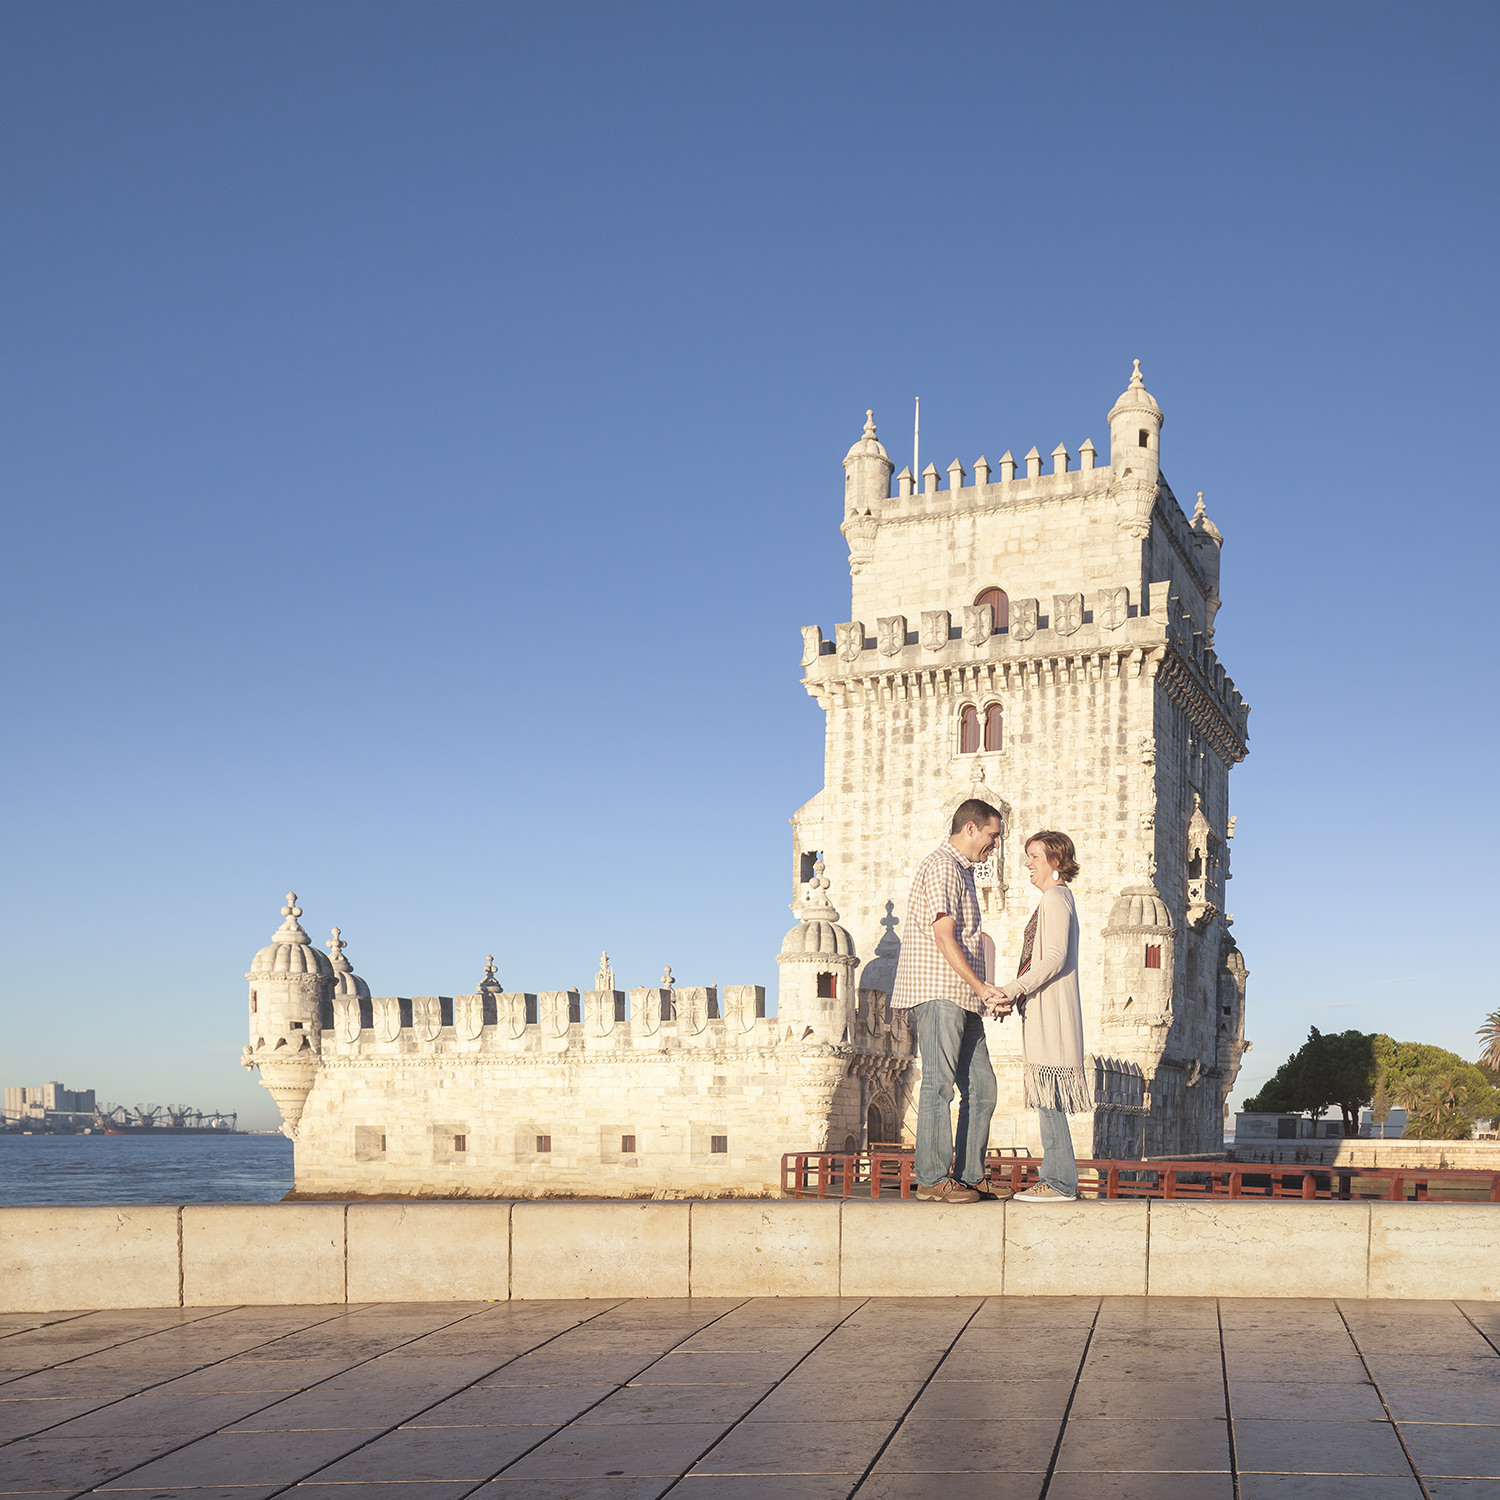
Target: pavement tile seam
207, 1315
281, 1396
1425, 1363
547, 1430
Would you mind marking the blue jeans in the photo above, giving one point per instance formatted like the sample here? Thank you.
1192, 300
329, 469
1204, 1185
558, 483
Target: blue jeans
1059, 1165
951, 1042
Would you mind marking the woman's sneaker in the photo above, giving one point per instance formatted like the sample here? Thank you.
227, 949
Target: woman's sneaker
1044, 1192
949, 1190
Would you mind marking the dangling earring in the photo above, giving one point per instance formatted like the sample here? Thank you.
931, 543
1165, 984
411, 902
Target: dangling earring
1054, 875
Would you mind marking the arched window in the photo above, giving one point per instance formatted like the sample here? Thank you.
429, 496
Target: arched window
968, 730
994, 727
999, 607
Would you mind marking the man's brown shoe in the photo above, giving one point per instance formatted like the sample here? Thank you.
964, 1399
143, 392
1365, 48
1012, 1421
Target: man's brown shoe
998, 1192
949, 1190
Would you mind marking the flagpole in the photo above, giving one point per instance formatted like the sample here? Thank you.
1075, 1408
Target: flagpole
916, 442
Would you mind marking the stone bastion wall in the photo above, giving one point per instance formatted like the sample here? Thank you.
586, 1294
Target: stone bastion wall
208, 1255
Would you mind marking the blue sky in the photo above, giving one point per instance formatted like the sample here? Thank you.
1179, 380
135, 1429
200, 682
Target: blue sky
421, 427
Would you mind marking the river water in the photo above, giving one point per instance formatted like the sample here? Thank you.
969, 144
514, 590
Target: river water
144, 1168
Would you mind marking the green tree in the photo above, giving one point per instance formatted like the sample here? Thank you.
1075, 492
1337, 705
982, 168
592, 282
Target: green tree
1325, 1070
1443, 1094
1489, 1034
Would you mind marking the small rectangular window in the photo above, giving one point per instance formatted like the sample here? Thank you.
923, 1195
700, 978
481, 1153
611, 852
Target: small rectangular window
627, 1145
668, 1007
713, 1004
619, 1007
718, 1145
297, 1026
445, 1010
1145, 438
1153, 955
531, 1010
253, 1005
460, 1143
760, 1006
543, 1143
828, 986
382, 1143
404, 1006
575, 1008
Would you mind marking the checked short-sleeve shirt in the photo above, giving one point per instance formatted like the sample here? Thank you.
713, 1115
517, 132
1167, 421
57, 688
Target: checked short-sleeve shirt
943, 885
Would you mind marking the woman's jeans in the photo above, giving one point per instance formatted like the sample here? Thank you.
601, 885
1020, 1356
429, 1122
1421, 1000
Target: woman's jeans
1059, 1166
951, 1042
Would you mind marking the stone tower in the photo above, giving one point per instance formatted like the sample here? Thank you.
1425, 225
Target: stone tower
291, 990
1045, 641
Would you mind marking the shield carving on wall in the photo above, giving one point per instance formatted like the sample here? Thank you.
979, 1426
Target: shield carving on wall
935, 624
1023, 613
1067, 613
346, 1018
851, 638
979, 624
1112, 608
890, 634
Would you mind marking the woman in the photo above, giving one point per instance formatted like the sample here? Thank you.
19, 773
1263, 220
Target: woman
1046, 991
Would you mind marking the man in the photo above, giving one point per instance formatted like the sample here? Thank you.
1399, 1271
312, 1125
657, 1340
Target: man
939, 984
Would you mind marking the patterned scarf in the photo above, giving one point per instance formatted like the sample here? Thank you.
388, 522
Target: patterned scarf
1027, 943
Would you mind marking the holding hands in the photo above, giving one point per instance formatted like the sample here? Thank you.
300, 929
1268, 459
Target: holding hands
998, 1005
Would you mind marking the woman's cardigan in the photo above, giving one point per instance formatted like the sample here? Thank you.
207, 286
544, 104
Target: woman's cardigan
1052, 1016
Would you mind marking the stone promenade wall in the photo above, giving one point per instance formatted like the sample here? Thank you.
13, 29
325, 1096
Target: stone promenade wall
1474, 1156
206, 1255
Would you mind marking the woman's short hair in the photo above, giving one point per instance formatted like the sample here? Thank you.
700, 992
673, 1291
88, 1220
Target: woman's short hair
1060, 852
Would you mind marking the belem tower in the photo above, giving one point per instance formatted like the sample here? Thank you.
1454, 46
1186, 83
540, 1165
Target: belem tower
1041, 640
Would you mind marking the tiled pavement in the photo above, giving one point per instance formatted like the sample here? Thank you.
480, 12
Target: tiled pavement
810, 1399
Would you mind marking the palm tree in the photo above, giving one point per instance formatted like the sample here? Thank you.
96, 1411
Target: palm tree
1437, 1107
1489, 1034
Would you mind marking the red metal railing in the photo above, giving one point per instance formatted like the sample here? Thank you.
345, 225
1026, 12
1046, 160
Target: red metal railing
886, 1172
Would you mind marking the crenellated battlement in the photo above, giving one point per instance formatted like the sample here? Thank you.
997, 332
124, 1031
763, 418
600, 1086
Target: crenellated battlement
1017, 482
552, 1021
1105, 633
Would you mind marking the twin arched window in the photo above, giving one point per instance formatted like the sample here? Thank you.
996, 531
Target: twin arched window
974, 730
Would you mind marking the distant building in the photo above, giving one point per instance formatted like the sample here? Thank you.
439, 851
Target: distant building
1392, 1129
1269, 1126
48, 1104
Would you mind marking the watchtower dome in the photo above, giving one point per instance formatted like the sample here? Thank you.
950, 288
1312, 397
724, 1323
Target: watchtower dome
291, 983
1135, 428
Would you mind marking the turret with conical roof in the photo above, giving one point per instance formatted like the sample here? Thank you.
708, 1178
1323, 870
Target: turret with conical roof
1135, 428
816, 997
345, 980
867, 471
291, 983
1207, 542
867, 487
